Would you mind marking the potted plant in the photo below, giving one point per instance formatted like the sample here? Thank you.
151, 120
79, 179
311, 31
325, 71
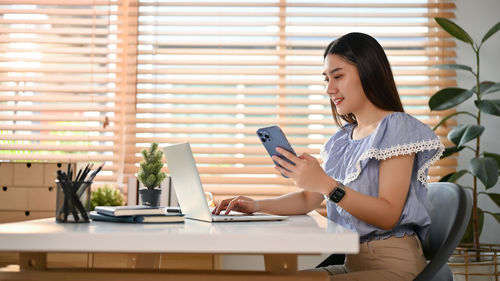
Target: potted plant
151, 176
483, 169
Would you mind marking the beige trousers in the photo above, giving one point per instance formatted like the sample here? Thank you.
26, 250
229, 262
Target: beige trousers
388, 259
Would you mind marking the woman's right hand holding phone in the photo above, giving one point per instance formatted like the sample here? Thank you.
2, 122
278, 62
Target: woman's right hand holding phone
239, 203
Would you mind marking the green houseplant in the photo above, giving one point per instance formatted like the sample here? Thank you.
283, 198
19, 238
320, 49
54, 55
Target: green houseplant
150, 175
484, 166
106, 196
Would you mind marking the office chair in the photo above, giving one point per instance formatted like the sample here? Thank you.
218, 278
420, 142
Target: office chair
450, 209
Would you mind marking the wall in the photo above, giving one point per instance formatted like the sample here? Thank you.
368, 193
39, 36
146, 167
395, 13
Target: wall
476, 17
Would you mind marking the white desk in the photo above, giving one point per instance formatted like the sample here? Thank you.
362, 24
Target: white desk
279, 241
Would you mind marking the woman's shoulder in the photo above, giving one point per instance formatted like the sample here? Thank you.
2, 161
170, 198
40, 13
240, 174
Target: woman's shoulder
401, 127
404, 119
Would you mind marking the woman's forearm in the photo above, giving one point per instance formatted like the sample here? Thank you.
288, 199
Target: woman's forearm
296, 203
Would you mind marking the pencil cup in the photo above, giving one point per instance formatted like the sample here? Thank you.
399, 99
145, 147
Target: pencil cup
73, 201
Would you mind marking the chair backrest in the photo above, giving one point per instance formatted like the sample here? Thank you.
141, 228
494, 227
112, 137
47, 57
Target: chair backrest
450, 209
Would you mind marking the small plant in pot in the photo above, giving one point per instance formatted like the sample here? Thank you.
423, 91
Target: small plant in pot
151, 176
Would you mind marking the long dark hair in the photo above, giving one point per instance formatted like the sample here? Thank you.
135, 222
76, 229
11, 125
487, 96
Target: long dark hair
374, 71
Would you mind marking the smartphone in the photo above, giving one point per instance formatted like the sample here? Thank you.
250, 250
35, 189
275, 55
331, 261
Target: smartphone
272, 137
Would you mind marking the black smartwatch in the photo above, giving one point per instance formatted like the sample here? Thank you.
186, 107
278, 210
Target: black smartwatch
337, 193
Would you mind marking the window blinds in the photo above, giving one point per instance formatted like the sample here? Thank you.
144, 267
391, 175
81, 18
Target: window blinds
61, 84
211, 73
98, 80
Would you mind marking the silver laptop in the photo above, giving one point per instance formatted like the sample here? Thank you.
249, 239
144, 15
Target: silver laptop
190, 194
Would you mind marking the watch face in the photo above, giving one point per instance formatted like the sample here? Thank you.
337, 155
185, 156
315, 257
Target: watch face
337, 194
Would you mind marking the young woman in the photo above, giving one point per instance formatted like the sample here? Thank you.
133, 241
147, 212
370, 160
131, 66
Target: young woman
374, 169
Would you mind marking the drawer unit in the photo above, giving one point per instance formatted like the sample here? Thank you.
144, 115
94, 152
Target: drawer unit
6, 173
50, 173
13, 198
28, 174
41, 198
13, 216
28, 190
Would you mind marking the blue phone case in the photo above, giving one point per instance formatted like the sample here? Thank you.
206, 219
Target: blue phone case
272, 137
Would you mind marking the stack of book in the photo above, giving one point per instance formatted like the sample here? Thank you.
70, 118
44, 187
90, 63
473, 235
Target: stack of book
136, 214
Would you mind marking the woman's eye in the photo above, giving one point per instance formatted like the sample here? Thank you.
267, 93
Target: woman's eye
337, 77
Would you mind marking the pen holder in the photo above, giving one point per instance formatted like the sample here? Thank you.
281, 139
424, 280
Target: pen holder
73, 201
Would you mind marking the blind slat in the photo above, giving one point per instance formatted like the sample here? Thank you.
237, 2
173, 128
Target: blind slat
58, 79
227, 130
257, 101
62, 11
66, 89
228, 43
57, 117
61, 98
217, 14
441, 5
33, 137
261, 91
68, 128
61, 21
313, 72
60, 31
318, 81
290, 52
59, 147
57, 157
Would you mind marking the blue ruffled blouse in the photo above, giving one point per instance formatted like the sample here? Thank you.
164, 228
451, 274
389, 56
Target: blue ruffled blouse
355, 163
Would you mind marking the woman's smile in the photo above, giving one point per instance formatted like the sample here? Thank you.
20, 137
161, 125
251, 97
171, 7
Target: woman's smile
337, 101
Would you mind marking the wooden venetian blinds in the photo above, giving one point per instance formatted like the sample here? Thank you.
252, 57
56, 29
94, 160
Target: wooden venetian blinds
211, 73
62, 83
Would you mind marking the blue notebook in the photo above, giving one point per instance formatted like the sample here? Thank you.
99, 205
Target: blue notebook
165, 218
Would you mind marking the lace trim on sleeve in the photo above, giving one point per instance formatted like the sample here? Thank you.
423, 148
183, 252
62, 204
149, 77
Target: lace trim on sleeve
323, 154
402, 149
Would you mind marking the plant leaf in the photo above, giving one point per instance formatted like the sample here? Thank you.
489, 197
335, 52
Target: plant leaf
445, 178
450, 150
457, 175
469, 231
454, 30
492, 89
450, 116
495, 197
490, 32
485, 85
464, 133
486, 169
489, 106
448, 98
496, 216
454, 66
494, 156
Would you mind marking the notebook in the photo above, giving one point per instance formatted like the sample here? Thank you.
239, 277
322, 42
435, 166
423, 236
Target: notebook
164, 218
130, 210
190, 194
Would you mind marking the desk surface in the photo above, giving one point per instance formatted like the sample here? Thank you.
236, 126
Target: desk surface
309, 234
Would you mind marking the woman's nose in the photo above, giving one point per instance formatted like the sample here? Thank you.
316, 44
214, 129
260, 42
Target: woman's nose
331, 89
